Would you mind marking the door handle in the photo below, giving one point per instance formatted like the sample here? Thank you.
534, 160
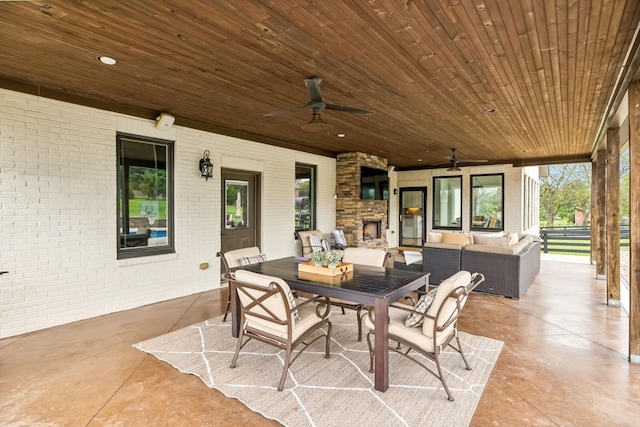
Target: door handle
3, 272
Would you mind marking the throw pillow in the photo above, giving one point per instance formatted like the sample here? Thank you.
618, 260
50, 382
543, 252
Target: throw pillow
414, 320
462, 239
500, 242
412, 256
316, 244
253, 259
326, 246
341, 241
434, 237
513, 238
292, 304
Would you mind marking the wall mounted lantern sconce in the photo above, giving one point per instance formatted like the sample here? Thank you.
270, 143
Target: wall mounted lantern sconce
205, 165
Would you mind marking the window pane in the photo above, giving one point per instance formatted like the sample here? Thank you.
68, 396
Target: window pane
487, 202
447, 202
144, 197
304, 197
236, 208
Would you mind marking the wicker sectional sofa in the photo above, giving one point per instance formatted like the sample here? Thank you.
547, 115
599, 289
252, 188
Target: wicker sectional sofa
508, 270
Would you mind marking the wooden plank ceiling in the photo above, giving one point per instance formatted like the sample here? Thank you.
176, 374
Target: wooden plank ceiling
429, 69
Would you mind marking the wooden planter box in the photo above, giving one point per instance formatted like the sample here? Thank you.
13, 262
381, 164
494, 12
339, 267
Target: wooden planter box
310, 267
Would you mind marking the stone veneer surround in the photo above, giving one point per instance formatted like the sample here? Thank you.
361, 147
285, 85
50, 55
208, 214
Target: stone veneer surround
351, 210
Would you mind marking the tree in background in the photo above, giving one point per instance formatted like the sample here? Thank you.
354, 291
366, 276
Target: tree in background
624, 187
565, 189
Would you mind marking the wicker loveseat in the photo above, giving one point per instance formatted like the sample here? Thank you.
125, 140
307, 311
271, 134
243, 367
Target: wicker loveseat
508, 269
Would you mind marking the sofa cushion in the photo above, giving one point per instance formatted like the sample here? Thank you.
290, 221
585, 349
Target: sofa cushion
443, 245
501, 242
462, 239
505, 250
434, 237
514, 238
489, 233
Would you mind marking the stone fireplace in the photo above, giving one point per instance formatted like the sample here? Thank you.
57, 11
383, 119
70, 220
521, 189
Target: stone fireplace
363, 221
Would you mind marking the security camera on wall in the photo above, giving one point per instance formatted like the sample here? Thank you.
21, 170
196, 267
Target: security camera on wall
164, 121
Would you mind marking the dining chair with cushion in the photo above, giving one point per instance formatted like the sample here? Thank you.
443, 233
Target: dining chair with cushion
339, 238
310, 241
269, 313
436, 325
363, 256
237, 258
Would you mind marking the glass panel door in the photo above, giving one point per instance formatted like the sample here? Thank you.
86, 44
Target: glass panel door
413, 203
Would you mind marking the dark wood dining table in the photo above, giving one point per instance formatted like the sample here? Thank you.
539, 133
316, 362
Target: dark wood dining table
373, 286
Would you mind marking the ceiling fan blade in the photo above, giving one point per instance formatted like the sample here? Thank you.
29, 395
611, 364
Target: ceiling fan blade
349, 109
313, 87
300, 107
472, 161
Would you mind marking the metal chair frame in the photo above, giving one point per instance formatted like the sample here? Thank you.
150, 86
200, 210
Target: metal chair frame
247, 333
459, 294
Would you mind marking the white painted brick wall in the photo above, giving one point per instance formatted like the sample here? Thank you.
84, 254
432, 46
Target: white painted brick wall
58, 212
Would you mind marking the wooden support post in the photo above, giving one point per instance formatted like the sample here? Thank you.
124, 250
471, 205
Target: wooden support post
634, 226
613, 217
601, 209
593, 215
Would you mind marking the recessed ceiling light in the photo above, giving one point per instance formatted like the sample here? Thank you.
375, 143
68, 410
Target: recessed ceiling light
489, 111
106, 60
342, 135
419, 160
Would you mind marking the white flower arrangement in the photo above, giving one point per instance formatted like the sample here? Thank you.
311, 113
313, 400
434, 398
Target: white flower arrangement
333, 258
317, 257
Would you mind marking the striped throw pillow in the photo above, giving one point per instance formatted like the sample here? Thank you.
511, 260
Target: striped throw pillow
253, 259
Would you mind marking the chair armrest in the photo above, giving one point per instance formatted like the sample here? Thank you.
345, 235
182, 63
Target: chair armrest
403, 307
322, 303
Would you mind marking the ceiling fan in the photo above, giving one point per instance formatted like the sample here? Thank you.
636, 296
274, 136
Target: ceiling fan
316, 104
453, 161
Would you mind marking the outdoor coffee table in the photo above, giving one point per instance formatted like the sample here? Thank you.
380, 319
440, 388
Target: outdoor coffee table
374, 286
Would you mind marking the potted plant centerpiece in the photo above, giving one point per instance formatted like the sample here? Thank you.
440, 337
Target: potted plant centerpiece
318, 258
333, 258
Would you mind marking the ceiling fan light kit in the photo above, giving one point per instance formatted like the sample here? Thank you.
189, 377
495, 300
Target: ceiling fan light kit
316, 124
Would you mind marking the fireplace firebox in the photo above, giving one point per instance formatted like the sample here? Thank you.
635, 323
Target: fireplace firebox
371, 230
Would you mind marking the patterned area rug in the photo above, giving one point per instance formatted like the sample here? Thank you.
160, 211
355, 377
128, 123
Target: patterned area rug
330, 392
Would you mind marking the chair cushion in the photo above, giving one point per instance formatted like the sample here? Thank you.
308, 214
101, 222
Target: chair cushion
233, 257
413, 320
461, 278
397, 328
247, 260
365, 256
264, 280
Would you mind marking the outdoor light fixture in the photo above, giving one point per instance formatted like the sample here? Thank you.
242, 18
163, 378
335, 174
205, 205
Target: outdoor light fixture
205, 165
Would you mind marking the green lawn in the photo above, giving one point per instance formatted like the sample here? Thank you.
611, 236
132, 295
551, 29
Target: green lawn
135, 205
